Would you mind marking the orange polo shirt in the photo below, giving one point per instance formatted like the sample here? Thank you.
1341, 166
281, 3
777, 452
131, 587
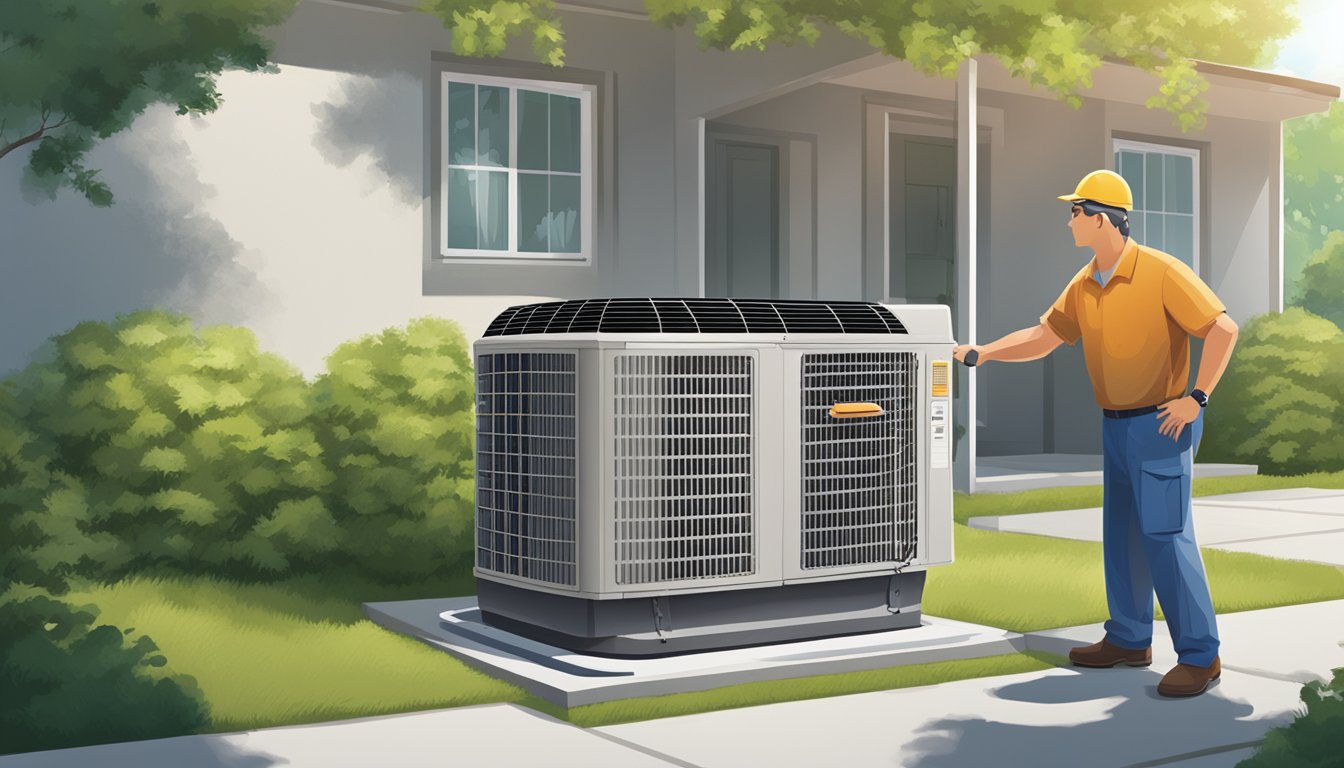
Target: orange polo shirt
1136, 331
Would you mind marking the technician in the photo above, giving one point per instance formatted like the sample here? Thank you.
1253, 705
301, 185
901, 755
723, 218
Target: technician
1135, 309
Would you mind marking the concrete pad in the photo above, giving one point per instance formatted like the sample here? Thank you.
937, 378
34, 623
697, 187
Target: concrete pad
496, 734
571, 679
997, 466
1057, 717
1027, 481
1295, 643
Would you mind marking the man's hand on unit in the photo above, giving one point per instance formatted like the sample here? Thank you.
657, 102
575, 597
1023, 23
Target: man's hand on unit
1174, 415
968, 354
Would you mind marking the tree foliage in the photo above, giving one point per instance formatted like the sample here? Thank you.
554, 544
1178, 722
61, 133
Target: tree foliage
1313, 188
1279, 404
1053, 44
74, 72
1322, 288
483, 27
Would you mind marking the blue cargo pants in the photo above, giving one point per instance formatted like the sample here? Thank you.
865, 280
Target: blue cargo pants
1148, 538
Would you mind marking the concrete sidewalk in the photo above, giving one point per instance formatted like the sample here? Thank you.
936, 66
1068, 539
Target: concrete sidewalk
1004, 474
1299, 524
1063, 717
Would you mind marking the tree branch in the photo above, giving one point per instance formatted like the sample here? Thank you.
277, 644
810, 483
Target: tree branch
42, 130
29, 139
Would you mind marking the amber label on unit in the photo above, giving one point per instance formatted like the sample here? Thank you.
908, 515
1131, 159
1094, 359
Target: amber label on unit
942, 378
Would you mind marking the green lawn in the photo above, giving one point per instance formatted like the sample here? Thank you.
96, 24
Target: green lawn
1027, 583
301, 651
281, 655
278, 655
820, 686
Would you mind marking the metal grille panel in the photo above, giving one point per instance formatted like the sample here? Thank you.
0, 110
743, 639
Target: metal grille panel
858, 476
683, 452
525, 465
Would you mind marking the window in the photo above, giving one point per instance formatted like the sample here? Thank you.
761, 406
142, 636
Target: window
517, 169
1165, 182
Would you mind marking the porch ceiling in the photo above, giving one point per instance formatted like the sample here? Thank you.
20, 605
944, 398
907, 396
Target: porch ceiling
1234, 91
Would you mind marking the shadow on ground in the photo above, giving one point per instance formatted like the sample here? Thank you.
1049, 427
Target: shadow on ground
214, 751
1133, 720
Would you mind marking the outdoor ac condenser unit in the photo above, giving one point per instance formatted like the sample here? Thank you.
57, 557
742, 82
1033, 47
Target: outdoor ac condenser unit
665, 475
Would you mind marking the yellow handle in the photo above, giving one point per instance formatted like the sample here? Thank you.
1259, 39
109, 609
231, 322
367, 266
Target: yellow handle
855, 410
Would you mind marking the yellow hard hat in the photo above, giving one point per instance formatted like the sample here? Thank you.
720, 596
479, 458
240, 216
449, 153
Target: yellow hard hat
1105, 187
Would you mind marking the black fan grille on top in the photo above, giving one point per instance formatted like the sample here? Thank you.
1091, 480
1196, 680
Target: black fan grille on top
695, 316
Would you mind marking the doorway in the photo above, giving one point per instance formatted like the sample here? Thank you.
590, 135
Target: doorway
922, 216
743, 219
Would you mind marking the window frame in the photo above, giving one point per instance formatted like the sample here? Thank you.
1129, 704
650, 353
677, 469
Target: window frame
586, 93
1150, 147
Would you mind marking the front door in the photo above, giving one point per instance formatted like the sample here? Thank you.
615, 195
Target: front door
742, 220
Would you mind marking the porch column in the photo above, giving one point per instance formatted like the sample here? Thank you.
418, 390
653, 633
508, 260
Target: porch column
1276, 286
963, 468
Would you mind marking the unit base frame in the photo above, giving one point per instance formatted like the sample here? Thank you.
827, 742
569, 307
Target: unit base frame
702, 621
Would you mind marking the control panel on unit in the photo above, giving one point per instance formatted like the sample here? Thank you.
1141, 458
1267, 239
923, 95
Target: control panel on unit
940, 415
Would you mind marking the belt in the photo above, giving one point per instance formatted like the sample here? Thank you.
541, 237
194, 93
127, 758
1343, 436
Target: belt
1130, 413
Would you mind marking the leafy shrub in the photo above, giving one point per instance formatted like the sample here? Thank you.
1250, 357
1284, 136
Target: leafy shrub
182, 450
65, 681
172, 449
1322, 285
398, 433
69, 683
1315, 739
1282, 395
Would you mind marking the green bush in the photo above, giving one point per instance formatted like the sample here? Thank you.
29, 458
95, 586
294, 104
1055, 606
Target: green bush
1315, 739
1322, 285
182, 450
173, 450
398, 432
1280, 401
67, 682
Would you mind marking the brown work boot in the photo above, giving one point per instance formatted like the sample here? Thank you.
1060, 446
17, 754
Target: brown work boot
1189, 680
1105, 654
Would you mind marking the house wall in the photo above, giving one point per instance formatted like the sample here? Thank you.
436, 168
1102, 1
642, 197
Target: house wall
1048, 406
300, 208
832, 117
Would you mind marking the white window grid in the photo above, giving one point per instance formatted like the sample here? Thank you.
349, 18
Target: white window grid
586, 234
1150, 148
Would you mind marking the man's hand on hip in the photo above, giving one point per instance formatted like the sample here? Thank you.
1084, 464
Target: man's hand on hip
1173, 415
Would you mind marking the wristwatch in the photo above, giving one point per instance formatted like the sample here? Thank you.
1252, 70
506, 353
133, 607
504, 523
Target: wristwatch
1200, 397
972, 357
